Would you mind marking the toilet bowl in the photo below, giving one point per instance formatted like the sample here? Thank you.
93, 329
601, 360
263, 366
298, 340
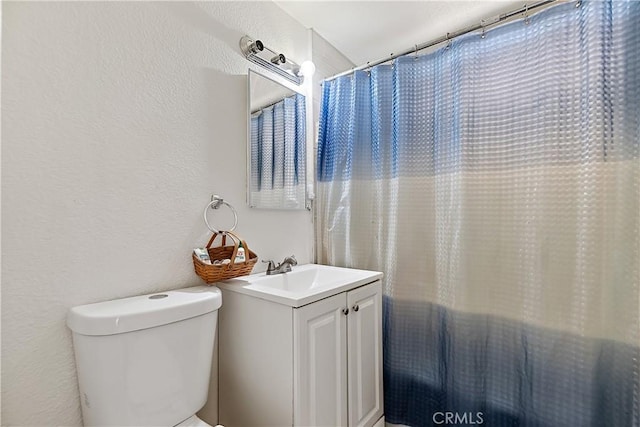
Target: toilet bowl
146, 360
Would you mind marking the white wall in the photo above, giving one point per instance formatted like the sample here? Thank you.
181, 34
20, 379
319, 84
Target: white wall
119, 121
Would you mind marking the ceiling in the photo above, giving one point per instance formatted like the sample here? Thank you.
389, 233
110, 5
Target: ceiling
369, 30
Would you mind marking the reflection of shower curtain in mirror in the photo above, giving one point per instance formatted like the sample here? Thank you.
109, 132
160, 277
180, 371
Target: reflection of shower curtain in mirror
497, 185
278, 155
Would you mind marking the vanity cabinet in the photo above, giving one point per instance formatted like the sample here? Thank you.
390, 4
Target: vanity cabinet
315, 365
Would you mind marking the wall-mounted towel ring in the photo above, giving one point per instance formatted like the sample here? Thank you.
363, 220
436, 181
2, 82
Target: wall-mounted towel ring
215, 203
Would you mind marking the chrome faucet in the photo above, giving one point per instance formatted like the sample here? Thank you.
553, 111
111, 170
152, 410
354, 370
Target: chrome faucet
283, 267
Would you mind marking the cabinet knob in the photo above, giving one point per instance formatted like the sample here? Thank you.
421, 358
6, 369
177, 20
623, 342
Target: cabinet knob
345, 311
356, 307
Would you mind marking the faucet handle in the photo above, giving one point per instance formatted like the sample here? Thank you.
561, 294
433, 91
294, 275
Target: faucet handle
291, 260
271, 266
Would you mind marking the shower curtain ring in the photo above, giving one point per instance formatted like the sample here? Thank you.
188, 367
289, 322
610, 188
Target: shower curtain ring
527, 20
415, 52
448, 42
484, 33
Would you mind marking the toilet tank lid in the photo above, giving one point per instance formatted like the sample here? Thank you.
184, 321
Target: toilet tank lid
144, 311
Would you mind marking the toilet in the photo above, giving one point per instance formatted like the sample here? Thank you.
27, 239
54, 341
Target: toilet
146, 360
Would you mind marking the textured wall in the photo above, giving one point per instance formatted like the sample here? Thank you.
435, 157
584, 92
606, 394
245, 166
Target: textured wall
119, 121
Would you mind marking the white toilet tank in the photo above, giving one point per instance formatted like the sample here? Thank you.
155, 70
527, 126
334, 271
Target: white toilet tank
145, 360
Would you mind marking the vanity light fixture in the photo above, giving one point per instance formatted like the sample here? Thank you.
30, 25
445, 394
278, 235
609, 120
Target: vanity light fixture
307, 69
278, 59
256, 52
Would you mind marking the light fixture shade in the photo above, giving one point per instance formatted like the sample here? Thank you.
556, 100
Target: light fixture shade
279, 59
307, 68
249, 46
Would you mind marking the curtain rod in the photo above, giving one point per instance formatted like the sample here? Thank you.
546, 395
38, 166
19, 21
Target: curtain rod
524, 10
273, 103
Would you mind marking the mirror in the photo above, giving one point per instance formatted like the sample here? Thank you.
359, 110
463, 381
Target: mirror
277, 145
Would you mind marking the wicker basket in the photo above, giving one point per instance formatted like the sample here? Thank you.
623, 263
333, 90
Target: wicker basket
215, 273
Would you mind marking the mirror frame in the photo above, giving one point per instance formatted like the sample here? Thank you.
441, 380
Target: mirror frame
302, 90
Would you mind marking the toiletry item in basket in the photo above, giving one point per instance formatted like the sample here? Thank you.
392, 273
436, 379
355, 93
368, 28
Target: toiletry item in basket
240, 257
203, 255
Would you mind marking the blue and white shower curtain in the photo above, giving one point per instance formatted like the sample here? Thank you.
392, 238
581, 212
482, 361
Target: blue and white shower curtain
496, 182
278, 155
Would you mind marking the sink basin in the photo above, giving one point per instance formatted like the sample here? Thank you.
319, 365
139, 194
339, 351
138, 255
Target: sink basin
304, 284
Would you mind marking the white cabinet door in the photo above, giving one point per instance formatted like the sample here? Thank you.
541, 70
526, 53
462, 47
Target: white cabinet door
320, 363
365, 355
